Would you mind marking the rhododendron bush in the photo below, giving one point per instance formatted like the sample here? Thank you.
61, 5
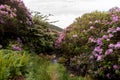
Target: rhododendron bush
92, 44
14, 11
15, 19
17, 22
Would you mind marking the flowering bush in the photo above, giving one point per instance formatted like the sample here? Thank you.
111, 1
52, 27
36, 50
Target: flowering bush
92, 44
15, 19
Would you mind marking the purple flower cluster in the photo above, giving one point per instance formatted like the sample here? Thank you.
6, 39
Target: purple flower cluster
59, 40
97, 52
28, 14
105, 37
115, 66
117, 46
111, 46
109, 51
98, 49
115, 18
16, 48
6, 12
12, 8
99, 42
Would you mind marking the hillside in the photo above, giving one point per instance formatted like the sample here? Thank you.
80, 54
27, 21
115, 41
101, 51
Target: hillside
55, 27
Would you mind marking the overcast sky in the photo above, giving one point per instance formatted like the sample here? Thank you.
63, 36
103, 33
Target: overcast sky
67, 10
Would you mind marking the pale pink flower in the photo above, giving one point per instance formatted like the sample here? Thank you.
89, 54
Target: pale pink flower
111, 45
115, 66
117, 45
105, 37
109, 51
91, 27
99, 58
111, 35
118, 29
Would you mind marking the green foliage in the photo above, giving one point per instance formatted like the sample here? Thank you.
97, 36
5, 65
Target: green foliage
43, 37
13, 64
37, 69
16, 65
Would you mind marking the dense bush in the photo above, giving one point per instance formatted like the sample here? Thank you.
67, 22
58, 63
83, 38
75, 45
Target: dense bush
33, 30
41, 38
91, 44
15, 19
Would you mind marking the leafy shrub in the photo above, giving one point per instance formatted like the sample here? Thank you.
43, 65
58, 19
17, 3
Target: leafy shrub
38, 68
13, 64
91, 44
43, 37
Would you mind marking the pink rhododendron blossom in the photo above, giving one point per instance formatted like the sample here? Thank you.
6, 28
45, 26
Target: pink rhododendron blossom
105, 37
111, 35
117, 45
6, 12
99, 58
115, 66
98, 49
115, 18
2, 6
61, 36
91, 27
111, 46
59, 40
118, 29
111, 30
99, 41
109, 51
